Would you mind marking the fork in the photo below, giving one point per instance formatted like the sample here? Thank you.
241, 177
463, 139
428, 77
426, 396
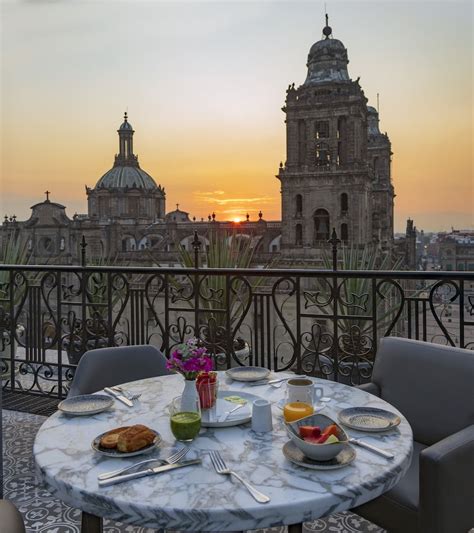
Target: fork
174, 458
129, 395
221, 468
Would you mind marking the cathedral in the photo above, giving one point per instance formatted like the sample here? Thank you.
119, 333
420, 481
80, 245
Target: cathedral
336, 175
337, 170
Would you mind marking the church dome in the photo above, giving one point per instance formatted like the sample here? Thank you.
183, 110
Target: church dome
327, 60
126, 172
122, 177
373, 122
125, 124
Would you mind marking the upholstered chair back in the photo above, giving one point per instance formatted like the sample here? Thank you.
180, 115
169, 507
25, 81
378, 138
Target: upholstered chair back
432, 385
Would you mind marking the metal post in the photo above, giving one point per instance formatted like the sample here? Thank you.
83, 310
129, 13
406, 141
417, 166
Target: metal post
83, 251
197, 247
334, 242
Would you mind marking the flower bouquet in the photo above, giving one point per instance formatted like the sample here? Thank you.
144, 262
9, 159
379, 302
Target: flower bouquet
189, 359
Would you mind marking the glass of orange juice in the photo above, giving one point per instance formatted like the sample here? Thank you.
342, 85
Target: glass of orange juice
295, 410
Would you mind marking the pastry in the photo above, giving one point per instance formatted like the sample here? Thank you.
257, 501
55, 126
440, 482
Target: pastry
109, 440
134, 438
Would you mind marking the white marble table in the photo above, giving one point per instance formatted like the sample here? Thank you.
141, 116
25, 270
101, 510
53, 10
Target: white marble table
197, 498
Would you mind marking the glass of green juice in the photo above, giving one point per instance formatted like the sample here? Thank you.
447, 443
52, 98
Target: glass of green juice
185, 424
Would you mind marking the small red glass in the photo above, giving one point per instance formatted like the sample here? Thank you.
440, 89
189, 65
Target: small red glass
206, 385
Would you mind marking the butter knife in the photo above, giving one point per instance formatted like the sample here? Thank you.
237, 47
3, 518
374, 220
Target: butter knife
374, 449
120, 397
147, 472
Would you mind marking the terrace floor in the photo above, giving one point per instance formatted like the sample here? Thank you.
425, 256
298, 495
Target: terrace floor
44, 514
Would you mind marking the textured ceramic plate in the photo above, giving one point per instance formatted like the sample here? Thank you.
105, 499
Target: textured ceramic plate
296, 456
248, 373
86, 404
111, 452
209, 417
368, 419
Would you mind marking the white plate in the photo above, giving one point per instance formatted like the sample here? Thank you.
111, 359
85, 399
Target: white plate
248, 373
210, 417
85, 404
112, 452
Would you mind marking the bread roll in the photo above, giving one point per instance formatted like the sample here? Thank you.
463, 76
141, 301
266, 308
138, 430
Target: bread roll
135, 438
109, 440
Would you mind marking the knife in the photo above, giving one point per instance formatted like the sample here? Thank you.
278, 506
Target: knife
374, 449
120, 397
147, 472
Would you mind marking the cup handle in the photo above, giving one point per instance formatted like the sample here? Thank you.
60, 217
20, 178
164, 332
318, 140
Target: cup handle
318, 393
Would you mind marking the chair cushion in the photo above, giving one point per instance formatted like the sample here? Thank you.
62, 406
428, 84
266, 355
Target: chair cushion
397, 509
428, 383
10, 519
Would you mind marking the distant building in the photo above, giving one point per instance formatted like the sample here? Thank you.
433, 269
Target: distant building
456, 250
336, 175
337, 169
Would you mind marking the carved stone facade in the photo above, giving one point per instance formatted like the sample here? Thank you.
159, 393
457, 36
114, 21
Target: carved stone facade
337, 170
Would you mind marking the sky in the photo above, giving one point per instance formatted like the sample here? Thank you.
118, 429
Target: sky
204, 83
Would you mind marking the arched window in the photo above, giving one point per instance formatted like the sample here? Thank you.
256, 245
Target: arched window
299, 204
321, 225
323, 156
344, 203
344, 233
299, 235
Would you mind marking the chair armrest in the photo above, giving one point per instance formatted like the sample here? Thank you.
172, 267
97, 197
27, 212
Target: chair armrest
447, 484
371, 387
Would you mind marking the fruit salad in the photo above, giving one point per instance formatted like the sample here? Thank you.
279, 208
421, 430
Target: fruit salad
314, 434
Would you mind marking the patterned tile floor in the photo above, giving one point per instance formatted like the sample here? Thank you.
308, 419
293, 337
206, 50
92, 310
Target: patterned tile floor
43, 514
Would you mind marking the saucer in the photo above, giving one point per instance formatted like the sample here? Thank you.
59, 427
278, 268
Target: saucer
248, 373
296, 456
85, 404
368, 419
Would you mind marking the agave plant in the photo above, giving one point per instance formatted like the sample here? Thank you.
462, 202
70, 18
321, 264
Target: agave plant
354, 296
225, 250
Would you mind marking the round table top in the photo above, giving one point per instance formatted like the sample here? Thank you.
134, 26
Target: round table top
196, 497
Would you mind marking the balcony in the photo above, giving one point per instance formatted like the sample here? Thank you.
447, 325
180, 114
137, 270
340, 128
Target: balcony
324, 323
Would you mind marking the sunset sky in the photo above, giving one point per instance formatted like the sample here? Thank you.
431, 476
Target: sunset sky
204, 83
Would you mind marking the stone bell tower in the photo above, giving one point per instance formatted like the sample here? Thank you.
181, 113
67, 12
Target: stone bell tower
326, 179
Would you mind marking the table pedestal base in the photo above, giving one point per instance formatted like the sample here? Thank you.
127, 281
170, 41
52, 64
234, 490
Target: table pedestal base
295, 528
90, 523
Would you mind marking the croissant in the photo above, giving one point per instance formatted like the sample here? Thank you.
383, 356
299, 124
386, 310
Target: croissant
134, 438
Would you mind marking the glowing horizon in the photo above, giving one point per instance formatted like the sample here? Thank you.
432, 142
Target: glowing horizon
204, 84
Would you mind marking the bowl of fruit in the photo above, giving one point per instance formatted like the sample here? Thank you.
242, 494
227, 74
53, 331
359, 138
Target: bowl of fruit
317, 436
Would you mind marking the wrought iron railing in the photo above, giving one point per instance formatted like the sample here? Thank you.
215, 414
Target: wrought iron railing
322, 322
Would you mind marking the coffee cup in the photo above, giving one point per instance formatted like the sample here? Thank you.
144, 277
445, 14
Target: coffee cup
303, 390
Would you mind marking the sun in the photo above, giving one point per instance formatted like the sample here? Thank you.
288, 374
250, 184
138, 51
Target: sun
236, 220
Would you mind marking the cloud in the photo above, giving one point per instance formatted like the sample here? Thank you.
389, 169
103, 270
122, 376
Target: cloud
211, 199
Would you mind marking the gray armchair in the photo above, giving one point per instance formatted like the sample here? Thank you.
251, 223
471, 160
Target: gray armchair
106, 367
11, 520
432, 386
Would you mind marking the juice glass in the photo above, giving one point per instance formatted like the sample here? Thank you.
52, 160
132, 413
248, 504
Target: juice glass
295, 410
185, 425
